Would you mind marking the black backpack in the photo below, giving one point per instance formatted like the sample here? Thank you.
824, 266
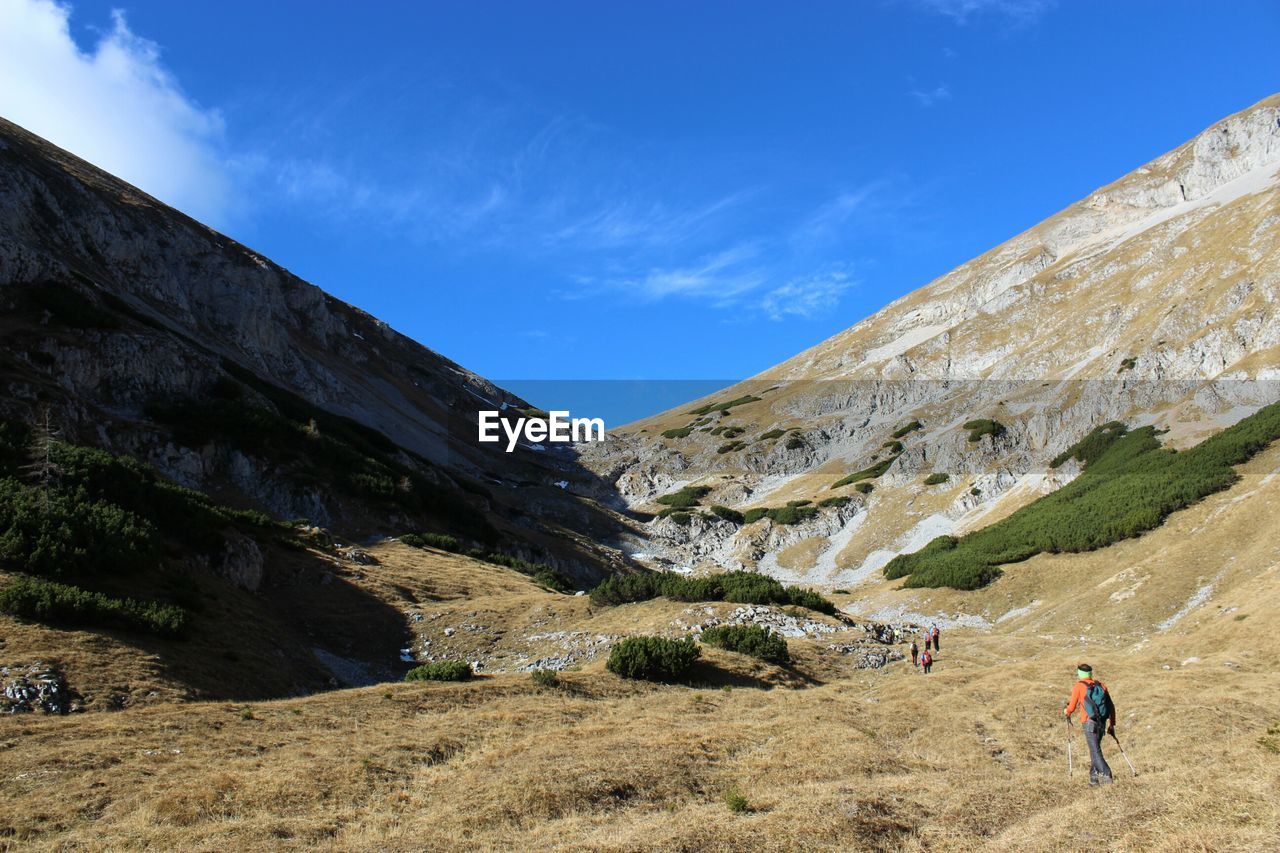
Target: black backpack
1097, 702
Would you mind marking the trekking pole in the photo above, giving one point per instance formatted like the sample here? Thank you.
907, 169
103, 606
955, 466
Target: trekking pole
1070, 767
1122, 752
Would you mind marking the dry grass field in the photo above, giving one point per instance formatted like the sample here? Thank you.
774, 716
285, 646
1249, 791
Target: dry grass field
825, 756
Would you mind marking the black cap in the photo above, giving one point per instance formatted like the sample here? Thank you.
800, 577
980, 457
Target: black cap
1084, 667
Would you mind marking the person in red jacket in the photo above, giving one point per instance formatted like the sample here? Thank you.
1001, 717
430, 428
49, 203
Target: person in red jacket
926, 661
1093, 699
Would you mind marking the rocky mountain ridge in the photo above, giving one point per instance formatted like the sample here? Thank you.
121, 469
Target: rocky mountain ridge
1154, 300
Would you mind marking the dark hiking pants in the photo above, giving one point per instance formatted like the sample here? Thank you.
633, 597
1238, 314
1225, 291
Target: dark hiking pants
1099, 770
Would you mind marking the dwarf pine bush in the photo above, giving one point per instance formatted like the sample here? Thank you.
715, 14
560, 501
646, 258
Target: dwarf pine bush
444, 670
652, 658
1127, 488
754, 640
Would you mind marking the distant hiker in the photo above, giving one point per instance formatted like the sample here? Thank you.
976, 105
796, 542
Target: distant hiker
1099, 718
915, 653
936, 635
926, 661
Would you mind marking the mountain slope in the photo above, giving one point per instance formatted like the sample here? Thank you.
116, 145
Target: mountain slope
1153, 301
280, 426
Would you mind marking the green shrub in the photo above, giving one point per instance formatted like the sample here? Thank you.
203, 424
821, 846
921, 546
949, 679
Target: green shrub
725, 407
652, 658
679, 432
893, 446
982, 426
728, 514
864, 488
751, 640
838, 500
553, 580
772, 434
46, 601
807, 598
739, 587
869, 473
908, 429
799, 503
736, 802
445, 670
1092, 445
936, 478
780, 515
1126, 489
62, 532
684, 498
731, 446
545, 677
734, 431
1127, 364
439, 541
681, 517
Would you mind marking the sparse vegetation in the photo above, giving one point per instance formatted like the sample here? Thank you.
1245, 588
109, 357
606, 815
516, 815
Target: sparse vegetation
983, 426
864, 488
652, 658
772, 434
444, 670
725, 407
439, 541
545, 677
1126, 489
689, 496
737, 587
727, 513
736, 802
795, 443
893, 446
868, 473
838, 500
780, 515
754, 640
907, 429
678, 432
1127, 364
936, 478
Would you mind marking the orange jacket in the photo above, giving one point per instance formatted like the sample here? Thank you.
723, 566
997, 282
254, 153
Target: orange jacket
1077, 698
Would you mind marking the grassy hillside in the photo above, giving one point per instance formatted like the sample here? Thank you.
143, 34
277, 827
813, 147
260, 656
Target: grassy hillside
818, 755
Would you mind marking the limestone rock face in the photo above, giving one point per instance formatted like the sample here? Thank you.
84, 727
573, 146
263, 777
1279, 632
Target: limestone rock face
1155, 299
114, 306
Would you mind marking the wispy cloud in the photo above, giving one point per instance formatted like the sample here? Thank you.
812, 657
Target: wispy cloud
720, 277
961, 11
928, 97
807, 297
115, 105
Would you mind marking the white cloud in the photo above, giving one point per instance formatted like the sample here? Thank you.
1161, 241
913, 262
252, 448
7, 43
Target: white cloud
1021, 11
807, 297
929, 97
721, 277
115, 105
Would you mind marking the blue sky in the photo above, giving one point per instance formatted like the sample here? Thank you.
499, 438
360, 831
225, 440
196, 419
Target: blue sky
627, 190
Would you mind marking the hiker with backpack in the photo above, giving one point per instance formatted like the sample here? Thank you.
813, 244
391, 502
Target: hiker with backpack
926, 661
915, 653
1094, 699
936, 635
